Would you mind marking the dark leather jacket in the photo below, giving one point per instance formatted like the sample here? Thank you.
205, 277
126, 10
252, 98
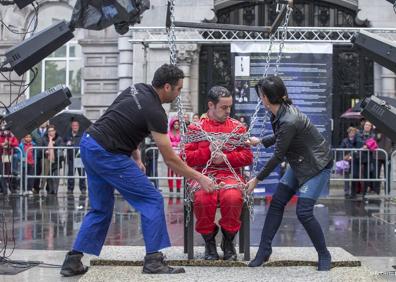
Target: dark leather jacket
297, 139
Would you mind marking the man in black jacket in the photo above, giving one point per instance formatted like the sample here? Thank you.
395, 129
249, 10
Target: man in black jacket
72, 139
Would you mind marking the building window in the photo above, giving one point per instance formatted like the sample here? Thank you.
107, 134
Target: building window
61, 67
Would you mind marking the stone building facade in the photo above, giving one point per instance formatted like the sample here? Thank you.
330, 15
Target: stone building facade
104, 62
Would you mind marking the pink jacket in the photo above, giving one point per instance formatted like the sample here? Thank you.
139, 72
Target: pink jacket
174, 138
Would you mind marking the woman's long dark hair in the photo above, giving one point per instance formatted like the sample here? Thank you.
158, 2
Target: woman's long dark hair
274, 89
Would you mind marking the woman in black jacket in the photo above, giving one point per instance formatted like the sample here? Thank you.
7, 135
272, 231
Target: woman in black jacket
296, 139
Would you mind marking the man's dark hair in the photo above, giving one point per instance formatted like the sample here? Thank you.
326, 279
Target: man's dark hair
274, 89
167, 74
216, 92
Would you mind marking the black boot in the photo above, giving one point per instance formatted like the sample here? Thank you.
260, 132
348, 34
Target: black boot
73, 265
210, 245
324, 261
306, 217
273, 220
227, 245
155, 264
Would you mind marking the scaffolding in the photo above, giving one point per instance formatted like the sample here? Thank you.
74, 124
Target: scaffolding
335, 35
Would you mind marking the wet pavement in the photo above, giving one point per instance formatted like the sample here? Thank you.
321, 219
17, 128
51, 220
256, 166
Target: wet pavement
52, 222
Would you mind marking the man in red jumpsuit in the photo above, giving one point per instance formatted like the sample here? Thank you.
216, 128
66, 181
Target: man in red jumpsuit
218, 124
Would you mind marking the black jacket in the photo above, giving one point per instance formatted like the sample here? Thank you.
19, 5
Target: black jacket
72, 141
297, 139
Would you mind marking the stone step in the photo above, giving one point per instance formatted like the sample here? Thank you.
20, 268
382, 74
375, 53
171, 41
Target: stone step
281, 256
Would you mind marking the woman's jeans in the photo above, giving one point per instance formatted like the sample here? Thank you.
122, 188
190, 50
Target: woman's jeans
309, 192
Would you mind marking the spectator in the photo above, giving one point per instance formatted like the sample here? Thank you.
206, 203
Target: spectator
53, 160
195, 118
8, 142
242, 120
175, 138
38, 137
349, 142
367, 157
72, 139
187, 119
386, 144
28, 160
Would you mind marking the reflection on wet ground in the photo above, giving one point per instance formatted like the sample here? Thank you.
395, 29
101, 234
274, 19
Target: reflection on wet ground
52, 222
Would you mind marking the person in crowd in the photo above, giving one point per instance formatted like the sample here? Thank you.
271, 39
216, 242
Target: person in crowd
53, 159
366, 157
195, 118
230, 197
309, 156
187, 119
351, 141
175, 138
106, 150
386, 144
8, 170
38, 138
242, 120
72, 139
28, 158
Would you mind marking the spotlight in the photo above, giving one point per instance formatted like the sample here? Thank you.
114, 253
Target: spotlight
31, 51
22, 118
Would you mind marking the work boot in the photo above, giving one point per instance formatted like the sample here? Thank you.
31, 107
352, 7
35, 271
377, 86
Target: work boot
227, 245
210, 245
155, 264
73, 265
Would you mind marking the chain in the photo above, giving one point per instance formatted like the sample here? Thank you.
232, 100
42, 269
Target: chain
265, 74
220, 141
283, 37
171, 34
173, 61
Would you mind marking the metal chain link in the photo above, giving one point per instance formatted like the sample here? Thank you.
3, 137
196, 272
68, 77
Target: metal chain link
223, 140
266, 117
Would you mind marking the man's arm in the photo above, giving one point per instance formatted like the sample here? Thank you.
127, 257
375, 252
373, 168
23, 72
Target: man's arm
176, 164
138, 159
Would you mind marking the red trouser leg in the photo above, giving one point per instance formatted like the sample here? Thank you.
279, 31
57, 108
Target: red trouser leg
205, 205
170, 181
231, 202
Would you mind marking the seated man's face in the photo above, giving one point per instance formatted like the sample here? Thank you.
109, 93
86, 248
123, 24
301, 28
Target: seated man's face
222, 110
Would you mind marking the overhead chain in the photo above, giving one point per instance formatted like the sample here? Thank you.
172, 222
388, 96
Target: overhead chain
220, 141
266, 116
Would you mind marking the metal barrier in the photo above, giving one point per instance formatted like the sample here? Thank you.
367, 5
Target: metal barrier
51, 165
157, 174
364, 166
361, 165
10, 170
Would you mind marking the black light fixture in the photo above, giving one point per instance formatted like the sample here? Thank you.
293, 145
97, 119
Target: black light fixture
28, 53
374, 46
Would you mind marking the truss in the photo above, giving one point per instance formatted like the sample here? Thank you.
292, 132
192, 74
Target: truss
148, 35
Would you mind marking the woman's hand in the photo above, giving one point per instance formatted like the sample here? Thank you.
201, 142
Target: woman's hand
251, 185
253, 141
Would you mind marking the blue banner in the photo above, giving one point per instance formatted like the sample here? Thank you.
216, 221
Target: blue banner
306, 69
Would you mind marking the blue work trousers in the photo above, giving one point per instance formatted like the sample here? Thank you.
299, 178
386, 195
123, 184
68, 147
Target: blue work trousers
108, 171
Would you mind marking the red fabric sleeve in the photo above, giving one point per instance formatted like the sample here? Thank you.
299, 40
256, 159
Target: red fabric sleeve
197, 153
241, 156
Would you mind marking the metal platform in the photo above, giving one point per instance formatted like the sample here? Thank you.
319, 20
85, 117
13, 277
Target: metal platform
336, 35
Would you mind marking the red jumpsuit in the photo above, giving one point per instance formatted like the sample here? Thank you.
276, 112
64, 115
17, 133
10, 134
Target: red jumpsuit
229, 200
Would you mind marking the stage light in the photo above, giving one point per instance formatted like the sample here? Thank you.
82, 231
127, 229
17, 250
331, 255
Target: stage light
31, 51
380, 49
22, 118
